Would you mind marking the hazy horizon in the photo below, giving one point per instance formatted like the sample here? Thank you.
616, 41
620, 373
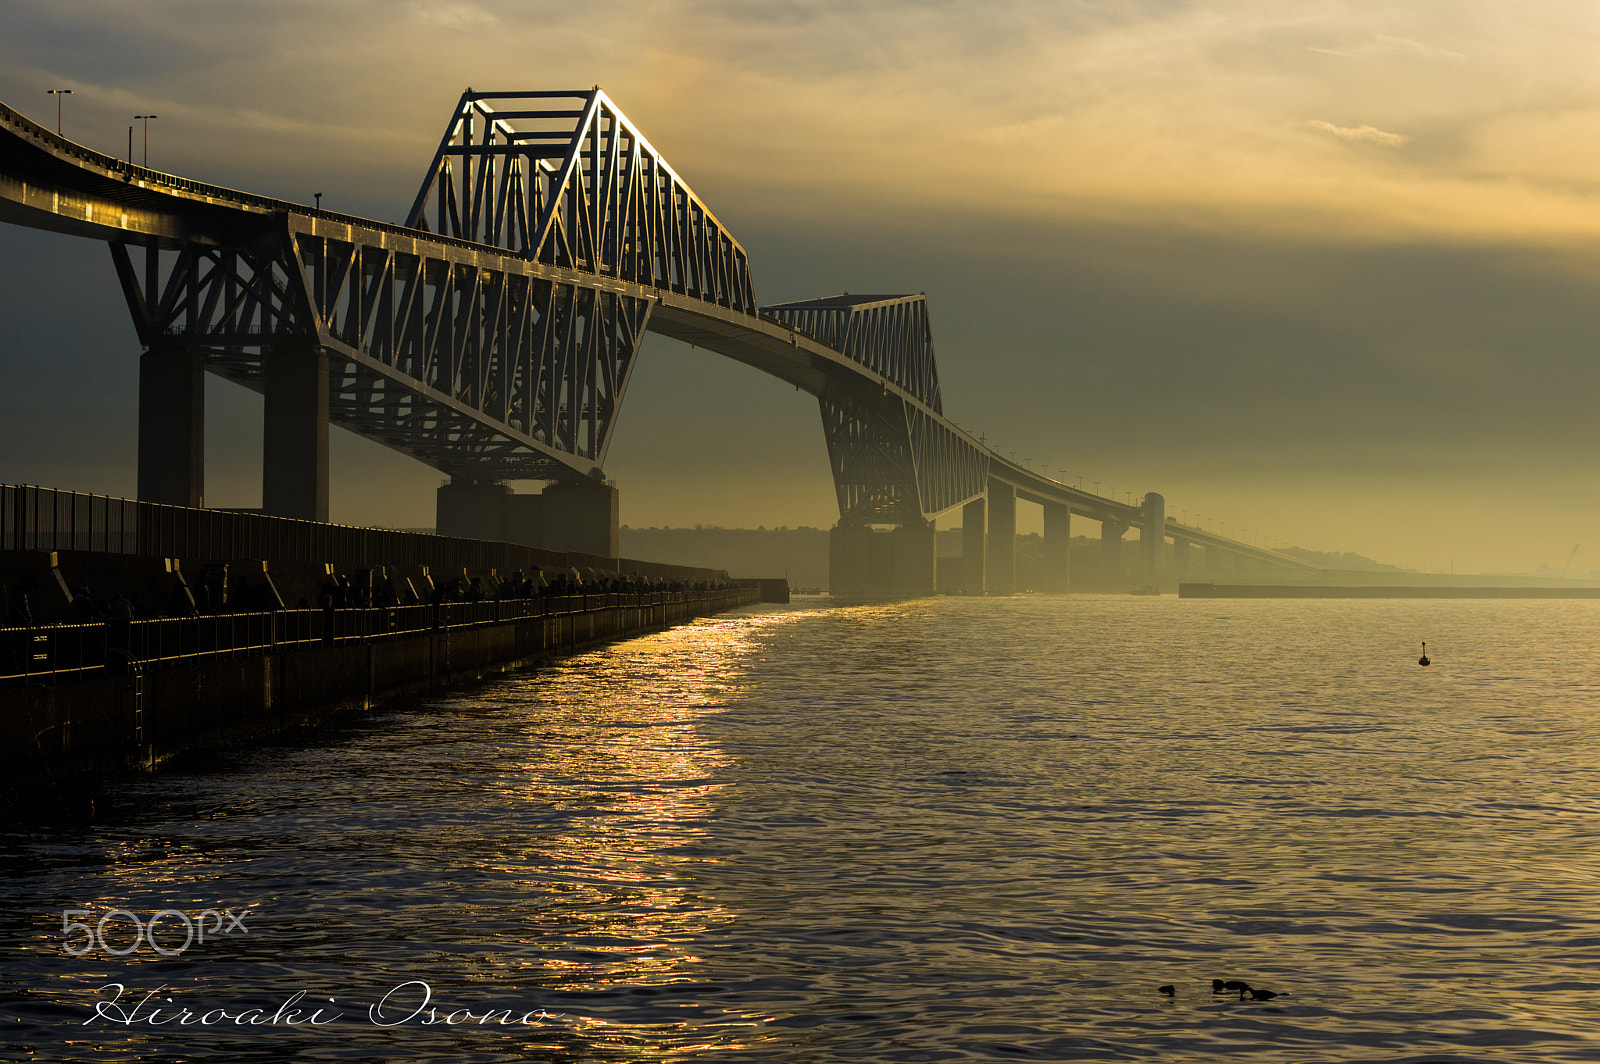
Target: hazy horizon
1323, 275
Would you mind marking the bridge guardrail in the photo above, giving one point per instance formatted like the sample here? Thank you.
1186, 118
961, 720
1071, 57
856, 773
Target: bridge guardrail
130, 171
49, 519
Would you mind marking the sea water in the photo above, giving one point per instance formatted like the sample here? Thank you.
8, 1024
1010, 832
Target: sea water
945, 829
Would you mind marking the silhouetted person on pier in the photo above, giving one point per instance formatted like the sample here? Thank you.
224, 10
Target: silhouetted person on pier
180, 603
263, 598
17, 605
81, 609
119, 609
119, 622
326, 598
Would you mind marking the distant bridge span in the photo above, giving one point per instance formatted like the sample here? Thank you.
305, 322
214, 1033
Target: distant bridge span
493, 335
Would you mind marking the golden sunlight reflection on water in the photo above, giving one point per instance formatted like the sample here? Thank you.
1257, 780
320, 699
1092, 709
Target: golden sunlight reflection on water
943, 829
631, 748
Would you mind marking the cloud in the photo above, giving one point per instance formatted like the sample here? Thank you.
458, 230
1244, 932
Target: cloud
456, 16
901, 139
1406, 46
1367, 133
1390, 46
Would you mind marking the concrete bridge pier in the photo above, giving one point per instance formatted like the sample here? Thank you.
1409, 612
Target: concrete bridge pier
895, 563
294, 480
1111, 533
475, 509
569, 515
582, 516
850, 561
172, 426
974, 522
916, 559
1057, 548
1001, 559
1180, 558
1153, 540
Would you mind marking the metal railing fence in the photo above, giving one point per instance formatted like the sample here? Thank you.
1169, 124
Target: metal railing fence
54, 652
49, 519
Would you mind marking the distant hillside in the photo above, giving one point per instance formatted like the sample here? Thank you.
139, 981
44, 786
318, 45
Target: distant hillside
1346, 560
801, 554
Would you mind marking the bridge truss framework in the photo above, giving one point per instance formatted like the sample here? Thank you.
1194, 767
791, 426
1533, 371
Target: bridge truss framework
494, 334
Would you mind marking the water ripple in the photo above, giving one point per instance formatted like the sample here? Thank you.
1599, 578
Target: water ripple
938, 830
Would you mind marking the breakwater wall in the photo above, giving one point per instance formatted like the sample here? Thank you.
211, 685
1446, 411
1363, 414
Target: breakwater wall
104, 696
1381, 591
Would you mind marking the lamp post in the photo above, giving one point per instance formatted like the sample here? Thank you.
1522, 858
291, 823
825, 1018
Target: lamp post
319, 199
146, 119
58, 93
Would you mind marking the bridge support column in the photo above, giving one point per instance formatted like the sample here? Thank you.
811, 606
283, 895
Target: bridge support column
581, 516
1001, 561
294, 481
1111, 533
1057, 548
172, 427
488, 509
1153, 540
1180, 558
850, 561
863, 563
915, 561
974, 519
472, 509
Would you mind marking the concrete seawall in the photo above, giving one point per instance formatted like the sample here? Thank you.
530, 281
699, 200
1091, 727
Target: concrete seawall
140, 718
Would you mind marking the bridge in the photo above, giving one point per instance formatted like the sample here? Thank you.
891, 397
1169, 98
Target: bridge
493, 333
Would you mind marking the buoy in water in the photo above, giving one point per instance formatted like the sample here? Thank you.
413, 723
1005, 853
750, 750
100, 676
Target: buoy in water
1424, 659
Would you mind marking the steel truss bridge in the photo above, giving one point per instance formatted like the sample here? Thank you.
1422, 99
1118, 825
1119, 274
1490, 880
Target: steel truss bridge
493, 334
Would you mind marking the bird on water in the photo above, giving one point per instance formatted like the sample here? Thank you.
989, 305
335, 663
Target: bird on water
1168, 990
1424, 659
1219, 986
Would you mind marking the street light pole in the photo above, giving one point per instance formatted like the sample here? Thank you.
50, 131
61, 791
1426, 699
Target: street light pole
58, 93
146, 119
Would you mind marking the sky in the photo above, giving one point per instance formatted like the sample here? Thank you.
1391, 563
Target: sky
1323, 274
